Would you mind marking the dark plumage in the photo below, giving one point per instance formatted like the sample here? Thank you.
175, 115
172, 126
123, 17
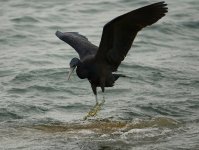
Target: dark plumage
97, 64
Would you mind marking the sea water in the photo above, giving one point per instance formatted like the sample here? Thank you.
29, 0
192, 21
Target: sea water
155, 107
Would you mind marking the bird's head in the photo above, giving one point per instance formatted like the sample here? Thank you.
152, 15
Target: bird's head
73, 64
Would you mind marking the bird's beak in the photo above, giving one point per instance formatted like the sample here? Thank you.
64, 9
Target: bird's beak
70, 72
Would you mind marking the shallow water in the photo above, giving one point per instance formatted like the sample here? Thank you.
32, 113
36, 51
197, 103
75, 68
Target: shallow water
156, 107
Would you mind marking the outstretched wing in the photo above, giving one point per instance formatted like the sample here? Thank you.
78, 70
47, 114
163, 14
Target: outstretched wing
119, 33
79, 42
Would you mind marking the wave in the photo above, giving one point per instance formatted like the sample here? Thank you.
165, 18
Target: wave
190, 24
27, 19
108, 126
39, 73
16, 111
6, 115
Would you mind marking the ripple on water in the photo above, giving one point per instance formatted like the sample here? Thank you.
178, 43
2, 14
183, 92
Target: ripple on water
166, 110
191, 24
16, 111
6, 115
25, 19
40, 73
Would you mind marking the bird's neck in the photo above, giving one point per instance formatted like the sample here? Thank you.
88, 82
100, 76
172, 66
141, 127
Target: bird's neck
81, 71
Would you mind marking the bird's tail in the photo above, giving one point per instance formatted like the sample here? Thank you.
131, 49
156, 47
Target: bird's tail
116, 76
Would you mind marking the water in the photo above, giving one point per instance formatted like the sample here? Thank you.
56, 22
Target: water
157, 107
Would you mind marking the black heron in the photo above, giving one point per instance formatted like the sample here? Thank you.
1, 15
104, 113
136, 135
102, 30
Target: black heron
98, 64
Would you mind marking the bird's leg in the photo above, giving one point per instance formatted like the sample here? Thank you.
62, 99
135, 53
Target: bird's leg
93, 111
97, 107
96, 99
94, 88
102, 85
103, 94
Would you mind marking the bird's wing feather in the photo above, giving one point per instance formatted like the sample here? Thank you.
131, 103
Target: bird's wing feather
79, 42
119, 33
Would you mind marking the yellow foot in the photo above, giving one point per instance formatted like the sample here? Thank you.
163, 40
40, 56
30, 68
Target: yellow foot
94, 110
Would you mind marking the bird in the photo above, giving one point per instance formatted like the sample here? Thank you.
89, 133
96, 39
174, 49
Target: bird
99, 64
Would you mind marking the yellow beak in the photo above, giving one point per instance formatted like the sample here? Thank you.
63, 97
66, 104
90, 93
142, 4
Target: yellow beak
70, 73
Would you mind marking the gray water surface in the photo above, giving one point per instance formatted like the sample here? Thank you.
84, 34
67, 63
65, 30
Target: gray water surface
156, 107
